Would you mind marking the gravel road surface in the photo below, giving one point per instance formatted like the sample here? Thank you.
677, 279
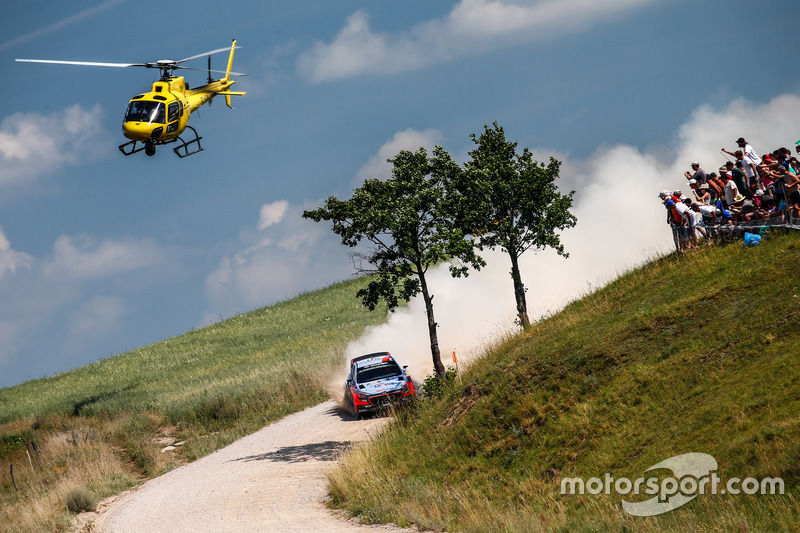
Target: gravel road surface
272, 480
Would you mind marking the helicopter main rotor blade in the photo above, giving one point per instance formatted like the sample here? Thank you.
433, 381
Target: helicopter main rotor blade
83, 63
212, 70
217, 51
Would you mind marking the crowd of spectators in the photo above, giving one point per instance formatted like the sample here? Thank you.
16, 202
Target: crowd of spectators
749, 190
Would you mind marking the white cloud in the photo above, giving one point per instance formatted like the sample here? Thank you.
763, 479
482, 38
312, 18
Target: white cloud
85, 257
410, 139
10, 259
272, 213
283, 259
68, 304
472, 25
32, 144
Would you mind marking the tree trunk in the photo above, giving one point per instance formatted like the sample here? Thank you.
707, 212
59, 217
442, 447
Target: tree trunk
519, 291
432, 325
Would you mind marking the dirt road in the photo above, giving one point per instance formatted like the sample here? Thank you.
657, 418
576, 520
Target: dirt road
272, 480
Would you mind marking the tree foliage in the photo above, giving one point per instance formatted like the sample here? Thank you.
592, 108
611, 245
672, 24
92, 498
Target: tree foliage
408, 222
509, 200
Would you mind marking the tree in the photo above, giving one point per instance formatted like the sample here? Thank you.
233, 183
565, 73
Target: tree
409, 227
509, 200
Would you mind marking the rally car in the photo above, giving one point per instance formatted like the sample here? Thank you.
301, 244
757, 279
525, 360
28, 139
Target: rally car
376, 382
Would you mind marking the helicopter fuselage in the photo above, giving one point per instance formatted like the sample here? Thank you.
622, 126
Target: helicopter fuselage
162, 114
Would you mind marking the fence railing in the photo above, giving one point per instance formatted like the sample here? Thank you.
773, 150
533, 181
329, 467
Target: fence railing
686, 237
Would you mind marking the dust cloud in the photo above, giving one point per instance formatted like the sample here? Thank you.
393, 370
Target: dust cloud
621, 225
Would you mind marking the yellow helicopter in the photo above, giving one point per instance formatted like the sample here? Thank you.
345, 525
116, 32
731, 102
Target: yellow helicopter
162, 115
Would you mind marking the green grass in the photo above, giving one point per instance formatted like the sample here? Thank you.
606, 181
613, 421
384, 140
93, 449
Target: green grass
233, 358
697, 353
96, 427
688, 354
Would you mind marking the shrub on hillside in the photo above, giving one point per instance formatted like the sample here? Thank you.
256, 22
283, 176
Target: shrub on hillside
81, 499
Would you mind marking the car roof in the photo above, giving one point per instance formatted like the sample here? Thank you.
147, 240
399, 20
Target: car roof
370, 359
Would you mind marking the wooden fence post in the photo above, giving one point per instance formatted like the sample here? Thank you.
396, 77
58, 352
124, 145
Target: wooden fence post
13, 481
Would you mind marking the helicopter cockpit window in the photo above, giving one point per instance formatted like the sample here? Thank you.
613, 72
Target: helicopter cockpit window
145, 111
172, 117
173, 112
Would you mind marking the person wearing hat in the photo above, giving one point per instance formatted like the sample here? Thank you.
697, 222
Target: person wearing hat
731, 190
698, 174
675, 221
746, 149
702, 194
736, 206
760, 196
769, 161
748, 210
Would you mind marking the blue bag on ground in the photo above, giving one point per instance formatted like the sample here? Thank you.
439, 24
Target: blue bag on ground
751, 239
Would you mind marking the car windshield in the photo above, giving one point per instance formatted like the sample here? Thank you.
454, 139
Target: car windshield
376, 371
145, 111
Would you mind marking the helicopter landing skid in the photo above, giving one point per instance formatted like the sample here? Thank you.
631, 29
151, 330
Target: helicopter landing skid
129, 148
186, 148
186, 144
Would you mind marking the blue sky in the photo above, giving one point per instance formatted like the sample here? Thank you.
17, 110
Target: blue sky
101, 253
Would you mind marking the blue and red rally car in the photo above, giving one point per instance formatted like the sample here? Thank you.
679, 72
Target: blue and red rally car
376, 382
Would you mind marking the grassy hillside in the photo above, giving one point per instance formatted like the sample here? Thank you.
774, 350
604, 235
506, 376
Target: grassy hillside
99, 429
698, 353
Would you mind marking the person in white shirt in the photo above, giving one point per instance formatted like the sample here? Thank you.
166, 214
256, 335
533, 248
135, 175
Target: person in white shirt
731, 191
747, 150
749, 168
683, 208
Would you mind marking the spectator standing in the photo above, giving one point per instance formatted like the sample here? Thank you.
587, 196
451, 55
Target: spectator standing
698, 174
676, 222
739, 177
716, 187
791, 184
688, 233
749, 168
747, 150
697, 221
731, 190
